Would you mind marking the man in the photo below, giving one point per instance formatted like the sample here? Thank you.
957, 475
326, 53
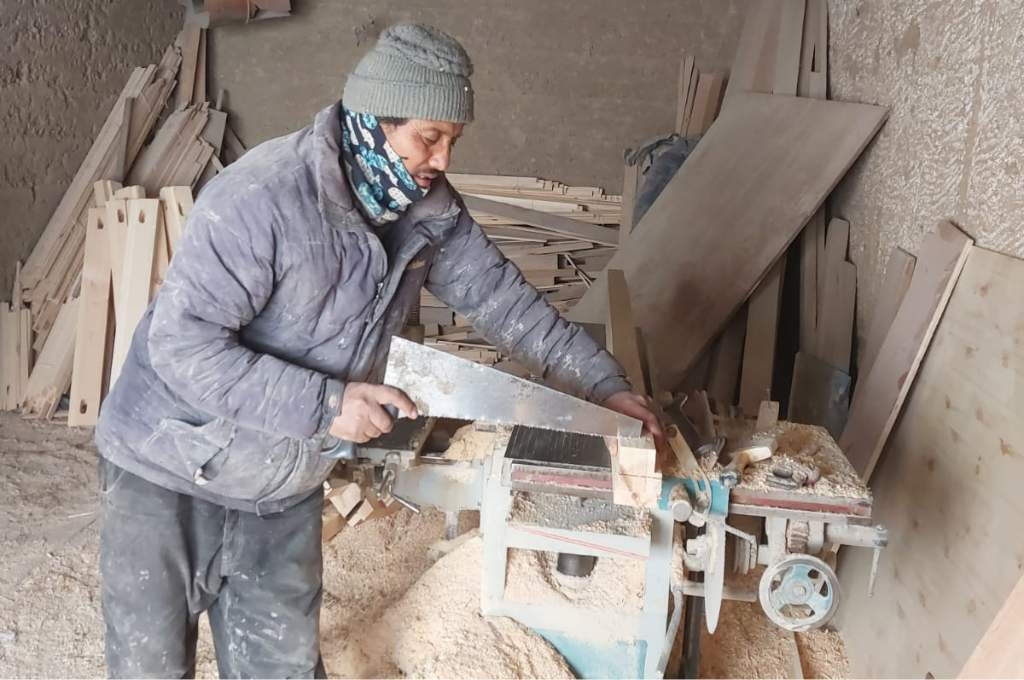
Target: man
298, 263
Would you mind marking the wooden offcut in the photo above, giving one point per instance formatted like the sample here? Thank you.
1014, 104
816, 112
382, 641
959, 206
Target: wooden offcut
727, 215
760, 340
51, 374
880, 394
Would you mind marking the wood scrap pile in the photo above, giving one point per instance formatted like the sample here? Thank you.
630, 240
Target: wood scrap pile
161, 132
349, 504
560, 236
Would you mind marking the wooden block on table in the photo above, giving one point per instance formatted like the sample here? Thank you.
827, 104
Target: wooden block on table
346, 498
144, 217
633, 455
91, 336
638, 491
880, 394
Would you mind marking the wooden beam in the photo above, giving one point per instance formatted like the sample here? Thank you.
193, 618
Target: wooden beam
684, 98
545, 221
880, 395
726, 361
91, 338
685, 284
177, 203
144, 217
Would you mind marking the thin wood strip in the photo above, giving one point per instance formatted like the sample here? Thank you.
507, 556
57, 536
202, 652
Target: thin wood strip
880, 395
898, 273
548, 222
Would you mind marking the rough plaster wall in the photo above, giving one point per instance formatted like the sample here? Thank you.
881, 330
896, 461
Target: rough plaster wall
953, 147
561, 87
62, 64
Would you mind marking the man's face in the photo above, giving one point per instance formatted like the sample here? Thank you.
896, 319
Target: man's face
424, 145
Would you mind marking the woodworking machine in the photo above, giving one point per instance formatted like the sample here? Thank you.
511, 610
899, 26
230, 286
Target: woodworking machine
702, 526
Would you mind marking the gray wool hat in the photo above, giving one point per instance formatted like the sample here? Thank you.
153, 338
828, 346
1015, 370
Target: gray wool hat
414, 71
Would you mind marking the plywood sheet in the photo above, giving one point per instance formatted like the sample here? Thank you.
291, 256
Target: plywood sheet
880, 395
948, 490
727, 215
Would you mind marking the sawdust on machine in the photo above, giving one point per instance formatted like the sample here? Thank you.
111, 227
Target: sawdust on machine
436, 630
471, 442
533, 578
805, 445
558, 511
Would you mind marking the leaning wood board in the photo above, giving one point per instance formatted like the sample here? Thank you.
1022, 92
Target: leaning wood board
880, 395
948, 490
898, 273
727, 215
144, 217
91, 337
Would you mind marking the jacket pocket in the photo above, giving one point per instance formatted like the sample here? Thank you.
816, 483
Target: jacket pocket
309, 471
192, 452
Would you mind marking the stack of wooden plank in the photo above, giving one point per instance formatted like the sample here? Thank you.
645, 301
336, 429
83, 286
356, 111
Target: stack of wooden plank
561, 237
56, 286
129, 242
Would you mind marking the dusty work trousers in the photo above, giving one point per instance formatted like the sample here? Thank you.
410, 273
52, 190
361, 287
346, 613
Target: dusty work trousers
166, 557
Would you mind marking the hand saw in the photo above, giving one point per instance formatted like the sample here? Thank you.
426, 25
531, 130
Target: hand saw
445, 386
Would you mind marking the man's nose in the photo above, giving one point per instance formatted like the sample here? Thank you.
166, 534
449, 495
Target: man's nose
440, 160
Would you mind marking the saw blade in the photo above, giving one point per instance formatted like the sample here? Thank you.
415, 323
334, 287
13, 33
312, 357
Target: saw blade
445, 386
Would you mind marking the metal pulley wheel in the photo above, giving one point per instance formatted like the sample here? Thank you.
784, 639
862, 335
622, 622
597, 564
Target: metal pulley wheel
799, 593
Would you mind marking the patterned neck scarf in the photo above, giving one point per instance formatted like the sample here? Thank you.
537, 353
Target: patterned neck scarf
375, 172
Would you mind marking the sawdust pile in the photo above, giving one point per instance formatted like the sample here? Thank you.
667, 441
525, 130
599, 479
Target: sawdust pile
748, 645
470, 443
533, 577
436, 630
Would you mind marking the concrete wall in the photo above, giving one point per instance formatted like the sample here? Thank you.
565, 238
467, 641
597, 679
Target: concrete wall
62, 64
953, 146
562, 87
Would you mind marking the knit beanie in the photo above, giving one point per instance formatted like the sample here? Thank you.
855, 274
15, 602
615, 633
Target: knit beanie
414, 71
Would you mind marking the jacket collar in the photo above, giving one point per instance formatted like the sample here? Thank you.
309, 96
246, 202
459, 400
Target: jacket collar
435, 211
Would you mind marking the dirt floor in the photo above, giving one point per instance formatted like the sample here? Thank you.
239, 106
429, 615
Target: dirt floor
379, 589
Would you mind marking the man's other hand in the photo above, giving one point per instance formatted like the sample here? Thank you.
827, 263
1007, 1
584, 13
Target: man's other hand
636, 406
363, 416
